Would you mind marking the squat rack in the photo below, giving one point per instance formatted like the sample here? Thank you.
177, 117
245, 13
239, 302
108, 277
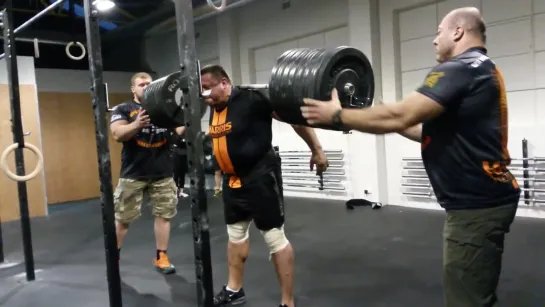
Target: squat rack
28, 23
190, 86
10, 54
192, 105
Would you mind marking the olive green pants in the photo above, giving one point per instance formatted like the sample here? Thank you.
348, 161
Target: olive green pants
472, 254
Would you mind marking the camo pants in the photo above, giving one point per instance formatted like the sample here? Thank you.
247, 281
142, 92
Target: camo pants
129, 194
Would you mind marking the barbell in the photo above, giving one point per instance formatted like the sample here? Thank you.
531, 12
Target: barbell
298, 73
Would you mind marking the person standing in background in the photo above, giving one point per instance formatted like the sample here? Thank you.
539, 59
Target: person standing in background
146, 166
179, 159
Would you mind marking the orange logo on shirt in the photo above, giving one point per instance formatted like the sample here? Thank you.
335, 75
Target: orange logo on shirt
151, 145
433, 78
133, 113
220, 130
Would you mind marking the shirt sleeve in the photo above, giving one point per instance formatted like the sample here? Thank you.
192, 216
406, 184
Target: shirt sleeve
447, 83
119, 113
262, 104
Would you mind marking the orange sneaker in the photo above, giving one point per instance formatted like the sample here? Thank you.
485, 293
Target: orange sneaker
163, 265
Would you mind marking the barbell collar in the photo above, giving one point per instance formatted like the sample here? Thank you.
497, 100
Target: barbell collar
254, 86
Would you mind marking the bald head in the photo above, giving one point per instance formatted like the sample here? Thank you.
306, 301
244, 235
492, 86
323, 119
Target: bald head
460, 30
469, 19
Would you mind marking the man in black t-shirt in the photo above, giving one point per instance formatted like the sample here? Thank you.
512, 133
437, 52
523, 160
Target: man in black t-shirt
145, 166
459, 115
241, 133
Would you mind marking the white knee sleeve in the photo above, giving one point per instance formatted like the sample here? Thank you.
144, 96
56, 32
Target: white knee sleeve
239, 232
276, 239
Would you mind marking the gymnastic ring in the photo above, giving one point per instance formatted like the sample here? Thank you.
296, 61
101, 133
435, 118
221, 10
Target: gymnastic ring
80, 45
217, 8
15, 177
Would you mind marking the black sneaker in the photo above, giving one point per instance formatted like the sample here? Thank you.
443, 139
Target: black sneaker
229, 298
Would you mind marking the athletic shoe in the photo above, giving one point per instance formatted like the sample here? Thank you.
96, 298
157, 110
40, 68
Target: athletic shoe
182, 194
217, 193
163, 265
230, 298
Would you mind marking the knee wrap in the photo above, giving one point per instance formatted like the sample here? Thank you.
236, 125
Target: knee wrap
239, 232
276, 239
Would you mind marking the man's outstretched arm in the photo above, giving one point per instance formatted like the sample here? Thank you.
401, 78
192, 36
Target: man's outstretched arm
413, 133
307, 134
442, 89
394, 117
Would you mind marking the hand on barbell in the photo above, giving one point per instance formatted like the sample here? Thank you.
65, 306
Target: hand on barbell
321, 112
142, 119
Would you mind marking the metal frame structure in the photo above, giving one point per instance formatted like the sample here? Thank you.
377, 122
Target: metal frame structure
17, 130
191, 88
190, 85
99, 105
28, 23
195, 140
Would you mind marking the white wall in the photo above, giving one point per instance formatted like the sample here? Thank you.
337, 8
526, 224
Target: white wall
264, 23
162, 50
25, 67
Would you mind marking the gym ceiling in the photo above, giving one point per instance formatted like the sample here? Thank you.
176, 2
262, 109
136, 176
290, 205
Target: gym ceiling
123, 30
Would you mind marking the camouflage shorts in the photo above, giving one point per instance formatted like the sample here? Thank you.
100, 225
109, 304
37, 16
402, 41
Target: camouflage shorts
129, 194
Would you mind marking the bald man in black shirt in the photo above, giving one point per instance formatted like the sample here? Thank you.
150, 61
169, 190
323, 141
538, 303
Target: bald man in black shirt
459, 115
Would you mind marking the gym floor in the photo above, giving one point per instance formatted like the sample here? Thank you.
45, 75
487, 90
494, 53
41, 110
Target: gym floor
389, 257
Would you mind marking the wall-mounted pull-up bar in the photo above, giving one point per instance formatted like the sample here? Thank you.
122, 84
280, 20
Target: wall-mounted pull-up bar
37, 41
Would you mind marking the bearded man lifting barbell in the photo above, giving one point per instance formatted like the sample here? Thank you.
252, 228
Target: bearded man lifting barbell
459, 115
241, 132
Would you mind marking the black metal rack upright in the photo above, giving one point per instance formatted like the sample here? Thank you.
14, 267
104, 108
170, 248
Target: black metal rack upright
525, 173
195, 139
99, 98
18, 135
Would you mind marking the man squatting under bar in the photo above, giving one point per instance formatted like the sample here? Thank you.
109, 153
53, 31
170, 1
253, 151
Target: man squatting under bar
241, 132
459, 115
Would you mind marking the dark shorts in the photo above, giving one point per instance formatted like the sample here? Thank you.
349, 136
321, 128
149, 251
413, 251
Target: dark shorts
215, 163
260, 200
179, 166
472, 254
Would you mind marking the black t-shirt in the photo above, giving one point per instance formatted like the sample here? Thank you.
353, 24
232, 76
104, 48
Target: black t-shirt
241, 134
464, 150
145, 156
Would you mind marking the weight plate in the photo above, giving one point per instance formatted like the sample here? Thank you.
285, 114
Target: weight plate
313, 73
348, 70
164, 103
